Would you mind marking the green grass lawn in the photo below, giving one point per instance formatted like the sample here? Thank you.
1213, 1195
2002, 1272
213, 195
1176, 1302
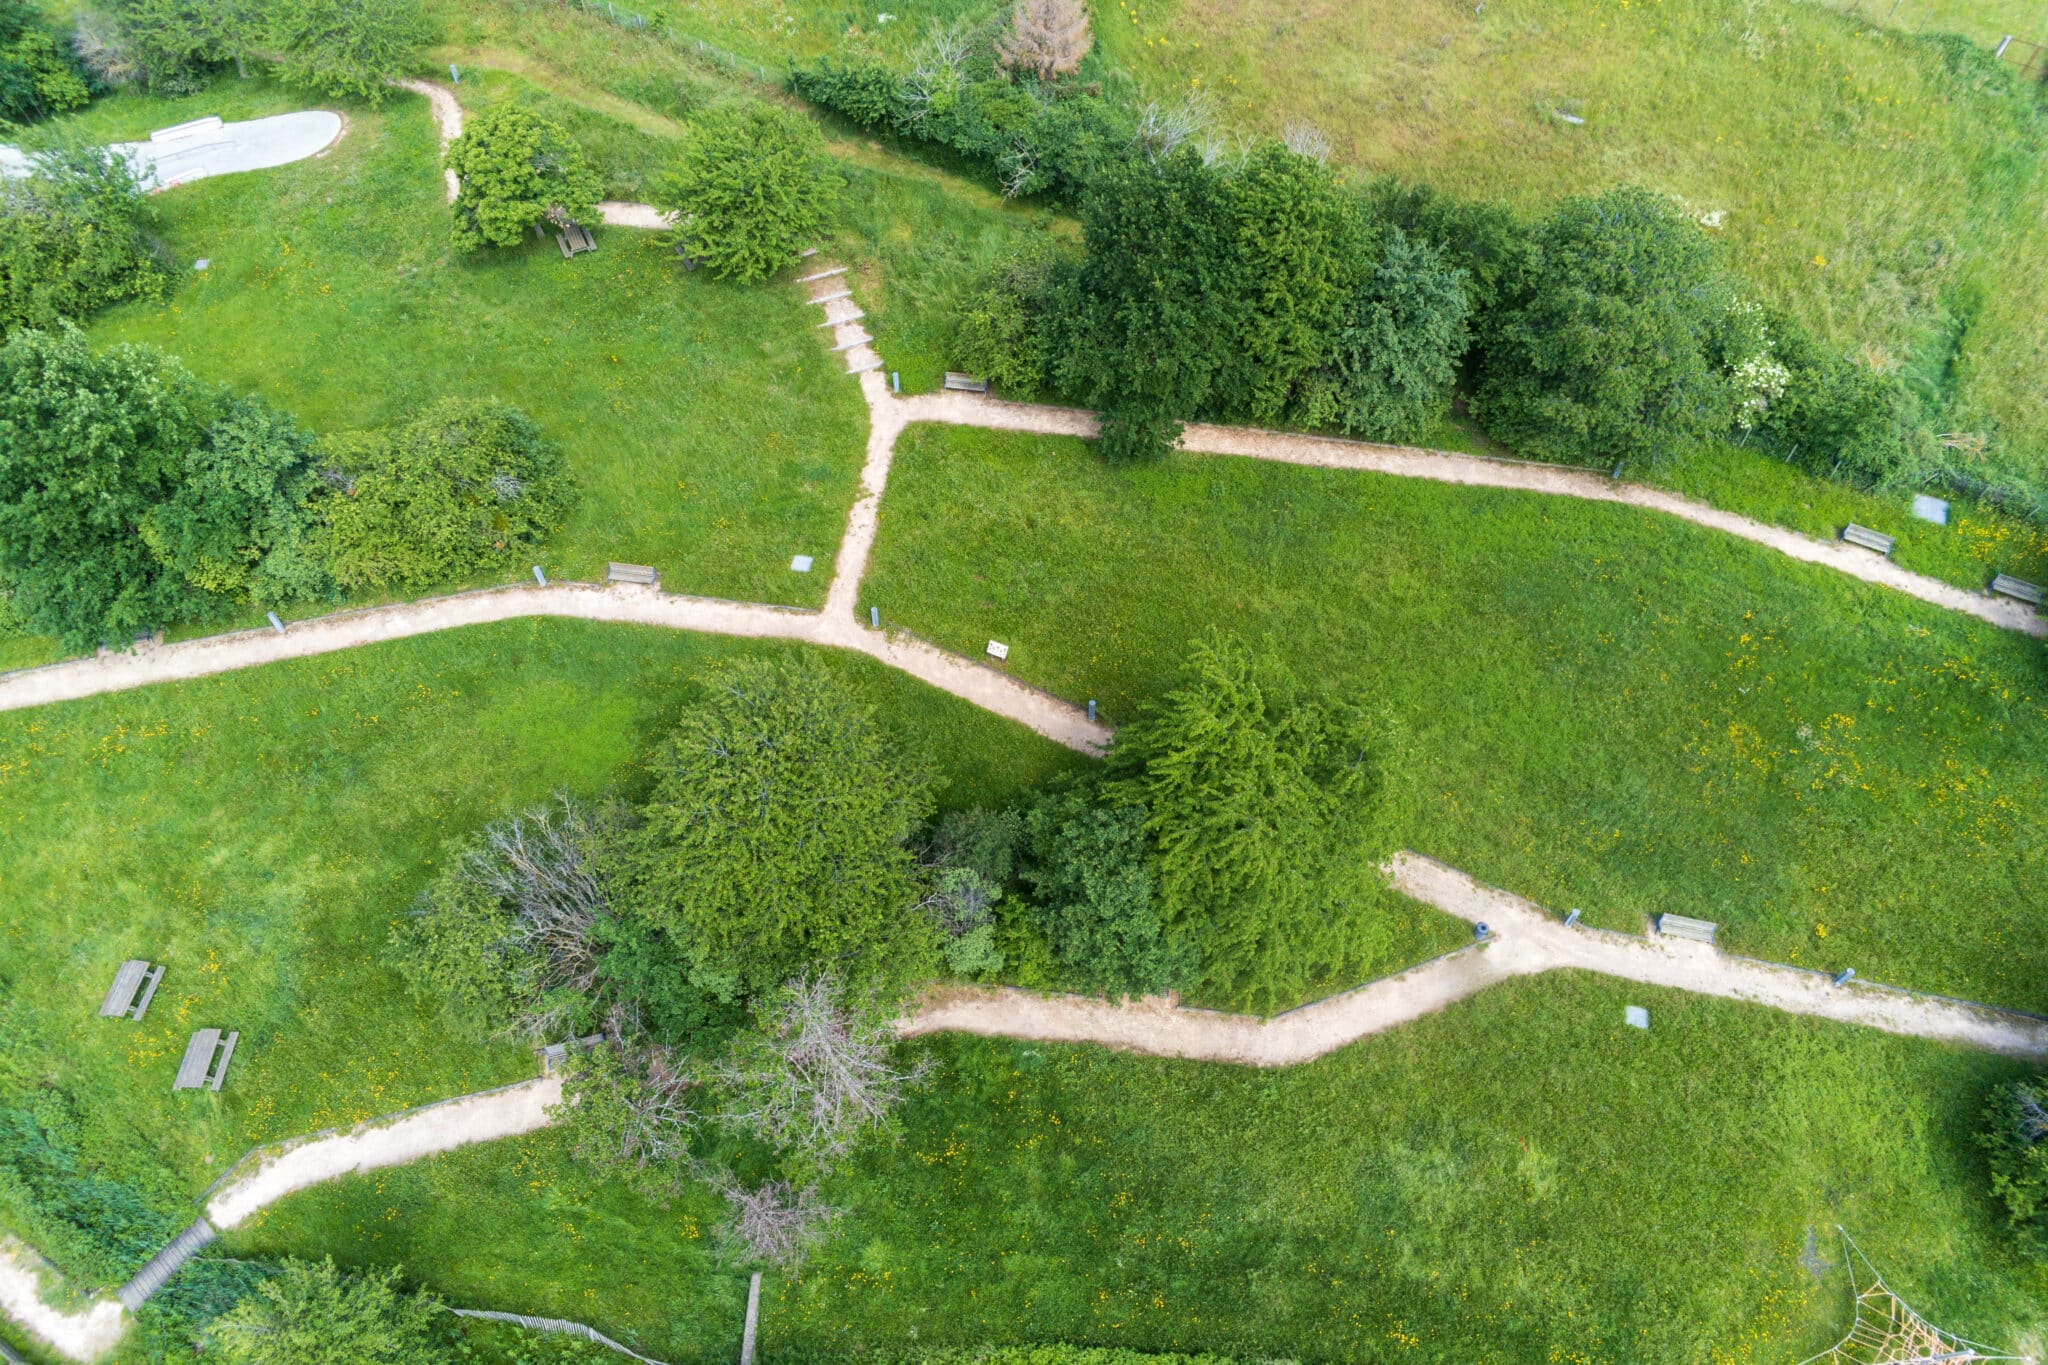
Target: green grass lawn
260, 831
1520, 1178
1615, 710
712, 434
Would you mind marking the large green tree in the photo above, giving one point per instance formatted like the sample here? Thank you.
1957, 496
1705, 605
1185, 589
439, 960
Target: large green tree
348, 47
311, 1313
133, 496
1092, 896
516, 168
776, 834
176, 42
1603, 346
752, 189
1267, 808
1141, 328
75, 236
1394, 356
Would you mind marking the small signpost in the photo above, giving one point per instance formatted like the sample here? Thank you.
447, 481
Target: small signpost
1635, 1016
800, 564
998, 650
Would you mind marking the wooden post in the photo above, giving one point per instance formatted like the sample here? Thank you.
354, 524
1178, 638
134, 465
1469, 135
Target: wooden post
753, 1317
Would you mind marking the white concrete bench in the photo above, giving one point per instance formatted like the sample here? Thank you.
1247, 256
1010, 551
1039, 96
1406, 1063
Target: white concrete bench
206, 1060
135, 975
1867, 538
2005, 585
1679, 926
632, 573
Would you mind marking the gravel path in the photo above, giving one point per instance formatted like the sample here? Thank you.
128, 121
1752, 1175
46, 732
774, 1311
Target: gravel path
966, 409
85, 1335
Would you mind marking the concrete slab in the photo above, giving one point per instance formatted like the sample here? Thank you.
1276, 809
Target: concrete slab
207, 147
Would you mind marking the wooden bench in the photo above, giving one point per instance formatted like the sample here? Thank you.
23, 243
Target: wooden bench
1867, 538
121, 1001
206, 1060
965, 383
2005, 585
632, 573
554, 1054
573, 239
1679, 926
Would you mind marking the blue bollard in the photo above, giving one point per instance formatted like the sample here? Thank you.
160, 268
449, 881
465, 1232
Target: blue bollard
453, 74
875, 617
539, 577
1571, 919
1091, 708
1848, 974
1482, 931
895, 381
275, 624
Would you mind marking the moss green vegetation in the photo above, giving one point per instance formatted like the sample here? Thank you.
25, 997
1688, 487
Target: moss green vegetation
710, 432
1519, 1178
260, 831
1614, 710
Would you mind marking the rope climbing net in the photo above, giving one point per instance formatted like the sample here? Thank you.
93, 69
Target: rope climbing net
1888, 1332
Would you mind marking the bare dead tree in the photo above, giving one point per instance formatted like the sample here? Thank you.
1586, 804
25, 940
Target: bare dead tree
627, 1109
1046, 39
537, 865
1163, 127
1018, 168
937, 67
776, 1223
1305, 139
104, 50
817, 1072
2033, 1115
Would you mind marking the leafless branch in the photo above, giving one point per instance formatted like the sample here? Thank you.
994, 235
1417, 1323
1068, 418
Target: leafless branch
1305, 139
1046, 38
1163, 127
537, 866
816, 1074
775, 1223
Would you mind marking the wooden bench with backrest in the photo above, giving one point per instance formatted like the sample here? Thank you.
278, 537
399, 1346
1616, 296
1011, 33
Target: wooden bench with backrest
1867, 538
965, 383
1681, 926
2005, 585
206, 1060
632, 573
135, 975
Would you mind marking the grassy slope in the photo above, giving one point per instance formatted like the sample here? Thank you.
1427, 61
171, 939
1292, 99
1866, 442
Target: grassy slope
259, 831
1866, 187
1520, 1178
711, 433
1617, 711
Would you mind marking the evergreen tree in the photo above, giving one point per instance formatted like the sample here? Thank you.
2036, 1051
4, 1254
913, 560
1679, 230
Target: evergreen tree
310, 1313
515, 169
754, 187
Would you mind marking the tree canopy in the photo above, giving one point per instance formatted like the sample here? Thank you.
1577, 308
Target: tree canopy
753, 188
776, 835
132, 495
1266, 806
74, 237
515, 168
38, 74
311, 1313
464, 486
1603, 347
347, 47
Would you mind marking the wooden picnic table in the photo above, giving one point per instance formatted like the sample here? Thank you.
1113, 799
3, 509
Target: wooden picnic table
200, 1056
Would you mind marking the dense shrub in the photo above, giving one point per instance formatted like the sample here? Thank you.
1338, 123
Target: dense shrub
1266, 806
311, 1313
132, 495
347, 47
174, 45
99, 1229
517, 168
752, 189
1093, 899
74, 237
1835, 415
2015, 1140
776, 835
1602, 346
465, 487
1394, 357
1058, 1354
999, 326
38, 73
1050, 141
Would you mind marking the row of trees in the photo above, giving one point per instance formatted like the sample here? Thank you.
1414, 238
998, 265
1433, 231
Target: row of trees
1263, 289
742, 934
751, 188
350, 48
133, 495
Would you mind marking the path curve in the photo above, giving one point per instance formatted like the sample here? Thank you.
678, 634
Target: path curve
1410, 462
